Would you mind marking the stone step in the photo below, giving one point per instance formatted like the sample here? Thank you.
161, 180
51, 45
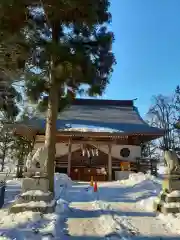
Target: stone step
33, 206
32, 196
164, 197
169, 199
166, 210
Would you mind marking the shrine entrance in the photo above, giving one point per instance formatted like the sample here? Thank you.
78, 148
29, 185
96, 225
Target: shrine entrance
86, 162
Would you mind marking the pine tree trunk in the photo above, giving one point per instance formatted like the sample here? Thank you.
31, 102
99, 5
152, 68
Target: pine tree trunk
50, 136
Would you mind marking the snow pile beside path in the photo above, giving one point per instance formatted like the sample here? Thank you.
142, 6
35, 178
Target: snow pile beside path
172, 221
31, 224
62, 206
174, 194
148, 203
14, 220
136, 178
61, 181
146, 189
14, 181
139, 177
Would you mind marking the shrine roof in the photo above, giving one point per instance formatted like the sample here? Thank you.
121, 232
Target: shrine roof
117, 115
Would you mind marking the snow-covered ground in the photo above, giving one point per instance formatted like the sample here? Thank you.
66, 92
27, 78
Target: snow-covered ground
118, 210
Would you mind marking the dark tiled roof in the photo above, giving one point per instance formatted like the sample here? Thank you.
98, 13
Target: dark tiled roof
114, 114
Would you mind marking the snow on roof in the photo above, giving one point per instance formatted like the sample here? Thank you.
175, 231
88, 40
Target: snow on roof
90, 129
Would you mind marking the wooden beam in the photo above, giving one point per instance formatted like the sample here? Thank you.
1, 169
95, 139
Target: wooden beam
40, 139
109, 163
130, 140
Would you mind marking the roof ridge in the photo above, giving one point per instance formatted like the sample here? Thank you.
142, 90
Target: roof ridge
104, 102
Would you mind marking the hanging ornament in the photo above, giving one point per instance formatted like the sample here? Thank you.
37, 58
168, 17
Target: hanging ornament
88, 153
83, 152
97, 153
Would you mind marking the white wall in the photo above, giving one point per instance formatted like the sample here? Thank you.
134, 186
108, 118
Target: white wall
135, 151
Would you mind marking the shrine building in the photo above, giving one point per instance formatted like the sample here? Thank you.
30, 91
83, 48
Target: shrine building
96, 138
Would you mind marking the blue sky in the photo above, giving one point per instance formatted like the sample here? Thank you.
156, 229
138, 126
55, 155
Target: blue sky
147, 49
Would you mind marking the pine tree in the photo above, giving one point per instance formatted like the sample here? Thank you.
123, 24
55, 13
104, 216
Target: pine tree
63, 48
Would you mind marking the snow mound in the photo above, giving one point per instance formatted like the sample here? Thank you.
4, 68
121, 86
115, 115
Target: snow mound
135, 178
14, 220
172, 221
149, 203
174, 194
35, 204
139, 177
14, 181
61, 181
61, 206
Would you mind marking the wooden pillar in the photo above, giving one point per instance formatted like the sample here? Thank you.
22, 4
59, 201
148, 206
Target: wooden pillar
69, 157
109, 163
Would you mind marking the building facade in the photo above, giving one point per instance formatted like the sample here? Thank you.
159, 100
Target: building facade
96, 137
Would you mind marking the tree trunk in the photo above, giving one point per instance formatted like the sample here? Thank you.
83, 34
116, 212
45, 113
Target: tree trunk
50, 136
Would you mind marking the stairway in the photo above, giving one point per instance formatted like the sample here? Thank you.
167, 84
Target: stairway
35, 201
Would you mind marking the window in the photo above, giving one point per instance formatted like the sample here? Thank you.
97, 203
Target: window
124, 152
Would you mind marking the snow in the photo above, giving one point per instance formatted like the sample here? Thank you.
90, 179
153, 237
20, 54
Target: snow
35, 193
172, 205
118, 210
29, 224
35, 204
61, 181
91, 129
174, 194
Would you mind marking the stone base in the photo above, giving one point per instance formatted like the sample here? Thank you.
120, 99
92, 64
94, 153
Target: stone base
167, 204
166, 210
28, 197
22, 207
171, 183
35, 197
41, 184
169, 199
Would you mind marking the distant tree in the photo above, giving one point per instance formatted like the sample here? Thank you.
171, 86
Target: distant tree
22, 144
177, 114
161, 115
62, 47
9, 99
149, 150
165, 113
6, 144
23, 147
